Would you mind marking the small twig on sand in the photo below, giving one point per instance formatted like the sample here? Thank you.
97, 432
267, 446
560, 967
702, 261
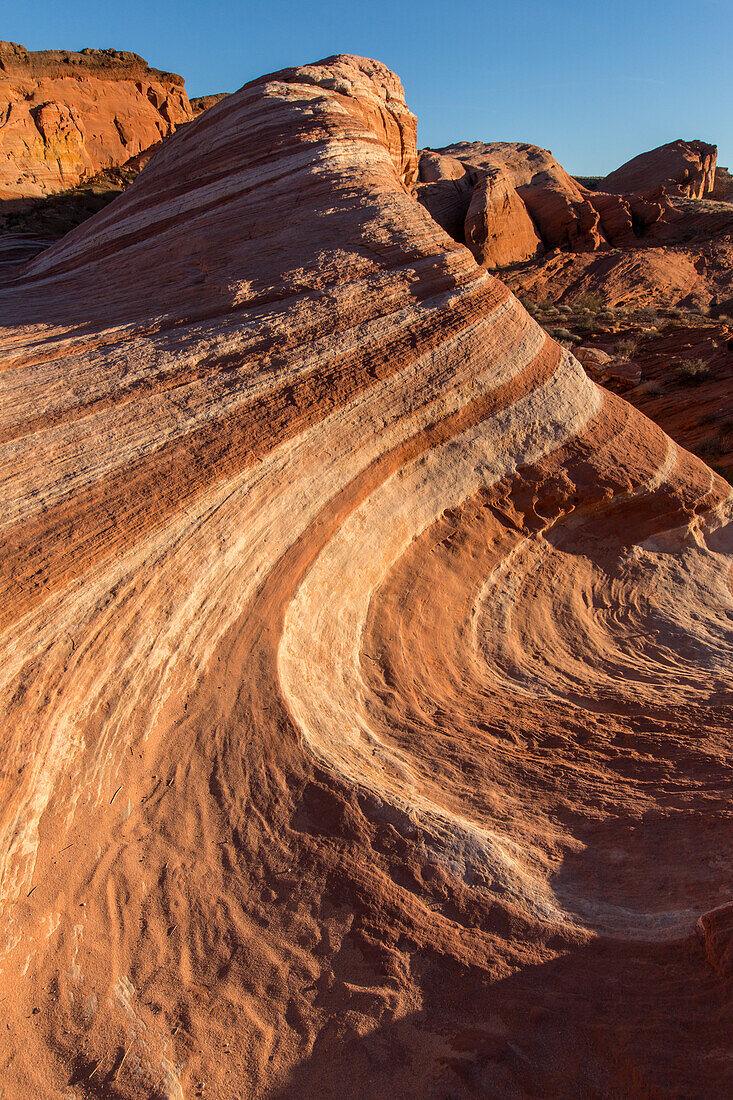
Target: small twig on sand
117, 1071
114, 796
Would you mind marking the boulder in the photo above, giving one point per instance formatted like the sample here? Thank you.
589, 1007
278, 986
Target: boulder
594, 359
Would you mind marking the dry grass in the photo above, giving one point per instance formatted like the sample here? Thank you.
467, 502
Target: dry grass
625, 348
691, 372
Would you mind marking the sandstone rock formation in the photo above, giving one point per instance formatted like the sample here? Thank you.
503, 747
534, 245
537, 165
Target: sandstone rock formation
681, 167
202, 103
366, 673
723, 187
498, 228
555, 202
66, 115
511, 201
689, 263
715, 929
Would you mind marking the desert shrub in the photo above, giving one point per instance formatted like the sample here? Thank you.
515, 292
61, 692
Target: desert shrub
690, 372
589, 303
647, 315
587, 326
652, 389
564, 334
625, 348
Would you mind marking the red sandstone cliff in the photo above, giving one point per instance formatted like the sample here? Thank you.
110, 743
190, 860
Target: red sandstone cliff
510, 202
66, 115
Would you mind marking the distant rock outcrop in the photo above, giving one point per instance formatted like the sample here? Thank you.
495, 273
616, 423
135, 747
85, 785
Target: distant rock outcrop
681, 167
723, 188
201, 103
510, 202
67, 115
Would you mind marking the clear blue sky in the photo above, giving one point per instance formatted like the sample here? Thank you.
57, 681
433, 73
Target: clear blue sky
596, 82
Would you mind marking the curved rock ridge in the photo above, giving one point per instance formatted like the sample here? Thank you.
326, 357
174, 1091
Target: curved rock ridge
67, 115
366, 668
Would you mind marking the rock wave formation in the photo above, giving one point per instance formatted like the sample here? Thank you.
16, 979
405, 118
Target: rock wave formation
366, 669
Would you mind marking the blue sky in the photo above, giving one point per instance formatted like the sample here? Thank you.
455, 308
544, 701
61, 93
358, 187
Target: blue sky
594, 82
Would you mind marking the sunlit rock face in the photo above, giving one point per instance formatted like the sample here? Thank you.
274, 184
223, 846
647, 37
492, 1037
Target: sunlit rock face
682, 167
366, 670
510, 202
65, 115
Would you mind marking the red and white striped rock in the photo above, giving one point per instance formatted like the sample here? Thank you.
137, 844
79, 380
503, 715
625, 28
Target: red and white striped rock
366, 668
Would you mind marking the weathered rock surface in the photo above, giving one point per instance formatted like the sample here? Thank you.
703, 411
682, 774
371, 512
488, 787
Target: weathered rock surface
603, 367
202, 103
522, 202
687, 261
498, 228
723, 187
715, 930
66, 115
366, 669
680, 167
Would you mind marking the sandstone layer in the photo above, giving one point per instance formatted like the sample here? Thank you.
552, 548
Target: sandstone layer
681, 167
66, 115
366, 669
